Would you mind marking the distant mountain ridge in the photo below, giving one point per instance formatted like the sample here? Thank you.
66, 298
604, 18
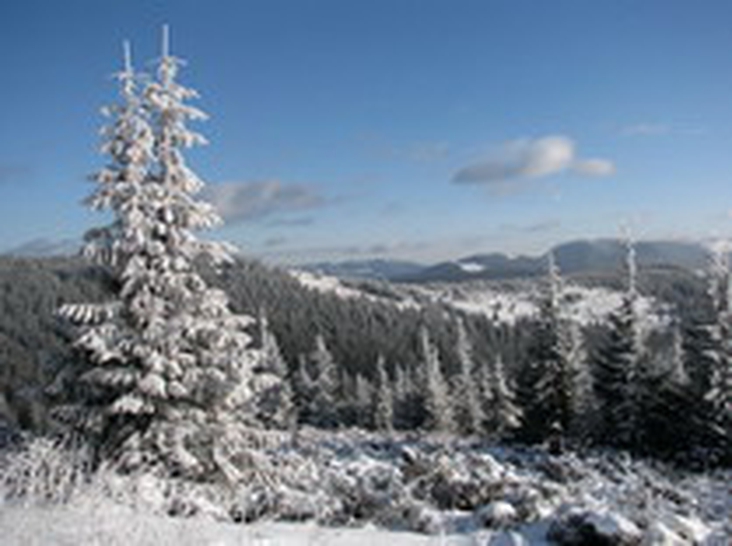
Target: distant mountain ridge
45, 248
574, 257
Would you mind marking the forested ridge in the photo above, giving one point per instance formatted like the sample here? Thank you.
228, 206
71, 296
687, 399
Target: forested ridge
34, 343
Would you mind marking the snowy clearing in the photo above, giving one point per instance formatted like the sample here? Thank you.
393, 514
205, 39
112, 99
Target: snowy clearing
115, 525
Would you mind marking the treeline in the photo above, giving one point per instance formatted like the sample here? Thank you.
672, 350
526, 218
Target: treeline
357, 362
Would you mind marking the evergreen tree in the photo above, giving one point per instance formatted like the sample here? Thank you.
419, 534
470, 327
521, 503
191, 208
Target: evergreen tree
677, 363
403, 387
668, 414
325, 399
169, 365
503, 415
407, 401
437, 407
617, 369
708, 365
719, 392
467, 408
384, 407
364, 397
584, 405
547, 391
277, 406
305, 387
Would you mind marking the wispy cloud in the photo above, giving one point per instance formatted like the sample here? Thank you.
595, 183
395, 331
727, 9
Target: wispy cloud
646, 129
594, 167
531, 159
537, 227
248, 201
662, 129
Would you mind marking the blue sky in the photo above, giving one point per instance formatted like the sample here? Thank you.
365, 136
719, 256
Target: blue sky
417, 129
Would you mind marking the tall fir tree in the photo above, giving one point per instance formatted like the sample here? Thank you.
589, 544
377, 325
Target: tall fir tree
325, 398
407, 399
707, 344
437, 407
503, 415
364, 401
617, 368
465, 396
305, 387
584, 404
719, 393
168, 365
668, 413
277, 406
548, 390
384, 405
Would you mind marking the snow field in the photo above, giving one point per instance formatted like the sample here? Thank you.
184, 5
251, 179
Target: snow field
354, 488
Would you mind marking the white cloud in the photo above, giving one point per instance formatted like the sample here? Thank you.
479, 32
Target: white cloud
529, 158
594, 167
245, 201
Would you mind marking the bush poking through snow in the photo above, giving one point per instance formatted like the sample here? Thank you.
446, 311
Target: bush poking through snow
42, 471
430, 485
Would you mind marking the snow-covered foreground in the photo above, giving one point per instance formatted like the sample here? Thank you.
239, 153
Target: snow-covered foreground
353, 488
116, 525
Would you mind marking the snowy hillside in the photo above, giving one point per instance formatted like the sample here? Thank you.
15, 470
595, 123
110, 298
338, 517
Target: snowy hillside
327, 284
504, 303
583, 305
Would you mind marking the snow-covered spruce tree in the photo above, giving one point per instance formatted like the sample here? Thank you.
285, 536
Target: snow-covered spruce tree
502, 413
719, 393
669, 416
438, 409
548, 388
325, 397
708, 364
384, 405
169, 371
277, 405
677, 362
465, 396
364, 402
617, 369
584, 404
403, 386
406, 398
305, 387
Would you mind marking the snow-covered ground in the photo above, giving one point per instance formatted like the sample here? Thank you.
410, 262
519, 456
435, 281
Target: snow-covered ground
582, 304
115, 525
353, 488
326, 284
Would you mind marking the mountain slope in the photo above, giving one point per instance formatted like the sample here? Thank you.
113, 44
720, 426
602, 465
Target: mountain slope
597, 256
